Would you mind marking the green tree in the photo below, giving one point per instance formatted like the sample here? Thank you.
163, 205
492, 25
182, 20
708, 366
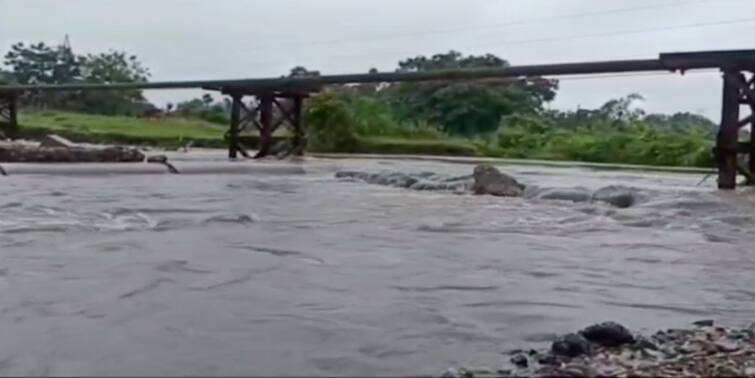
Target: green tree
43, 64
205, 108
467, 108
112, 67
6, 77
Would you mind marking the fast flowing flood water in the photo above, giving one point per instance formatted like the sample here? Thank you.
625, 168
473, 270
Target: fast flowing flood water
306, 274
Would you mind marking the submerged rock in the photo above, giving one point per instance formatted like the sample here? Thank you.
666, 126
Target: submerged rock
571, 345
427, 181
608, 334
578, 194
616, 195
489, 180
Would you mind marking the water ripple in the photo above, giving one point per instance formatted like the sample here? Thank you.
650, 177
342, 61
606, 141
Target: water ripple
445, 288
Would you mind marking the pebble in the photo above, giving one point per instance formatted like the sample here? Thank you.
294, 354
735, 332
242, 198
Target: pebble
704, 323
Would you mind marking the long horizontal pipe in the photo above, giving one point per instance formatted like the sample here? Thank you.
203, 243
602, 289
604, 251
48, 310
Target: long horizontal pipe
672, 63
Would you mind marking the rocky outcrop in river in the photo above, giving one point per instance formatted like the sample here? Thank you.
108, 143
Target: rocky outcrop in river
58, 150
611, 350
488, 180
415, 181
485, 179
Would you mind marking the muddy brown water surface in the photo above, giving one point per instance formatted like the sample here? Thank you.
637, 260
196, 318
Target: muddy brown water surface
306, 274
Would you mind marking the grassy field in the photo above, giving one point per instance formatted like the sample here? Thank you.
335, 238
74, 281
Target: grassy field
95, 128
173, 132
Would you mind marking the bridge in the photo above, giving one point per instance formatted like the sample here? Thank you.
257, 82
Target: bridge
287, 95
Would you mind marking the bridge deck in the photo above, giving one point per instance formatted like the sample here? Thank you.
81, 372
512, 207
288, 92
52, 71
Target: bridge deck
737, 59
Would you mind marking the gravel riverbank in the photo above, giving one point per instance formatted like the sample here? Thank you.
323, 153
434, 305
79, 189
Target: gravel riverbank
611, 350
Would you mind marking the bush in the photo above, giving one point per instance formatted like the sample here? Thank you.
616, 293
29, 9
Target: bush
330, 125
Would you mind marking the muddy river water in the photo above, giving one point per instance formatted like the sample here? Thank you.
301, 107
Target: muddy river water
281, 274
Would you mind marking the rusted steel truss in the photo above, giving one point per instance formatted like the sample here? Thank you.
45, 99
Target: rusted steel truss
265, 114
8, 115
738, 91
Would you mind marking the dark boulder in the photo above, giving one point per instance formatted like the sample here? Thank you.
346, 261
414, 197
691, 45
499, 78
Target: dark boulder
608, 334
619, 196
158, 159
520, 360
489, 180
704, 323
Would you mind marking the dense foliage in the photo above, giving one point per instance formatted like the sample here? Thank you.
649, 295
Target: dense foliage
471, 107
43, 64
613, 133
205, 108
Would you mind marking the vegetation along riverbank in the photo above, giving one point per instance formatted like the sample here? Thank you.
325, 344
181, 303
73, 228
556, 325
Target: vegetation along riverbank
492, 118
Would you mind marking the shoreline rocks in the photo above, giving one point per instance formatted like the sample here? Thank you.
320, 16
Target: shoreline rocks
611, 350
55, 149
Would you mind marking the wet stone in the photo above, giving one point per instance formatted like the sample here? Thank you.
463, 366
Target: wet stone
489, 180
571, 345
696, 352
608, 334
704, 323
160, 159
618, 196
520, 361
726, 347
643, 343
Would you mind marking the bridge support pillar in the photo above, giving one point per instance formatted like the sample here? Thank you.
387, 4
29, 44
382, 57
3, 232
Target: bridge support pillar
9, 115
738, 90
265, 114
233, 132
266, 127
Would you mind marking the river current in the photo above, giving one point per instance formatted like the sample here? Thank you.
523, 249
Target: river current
311, 275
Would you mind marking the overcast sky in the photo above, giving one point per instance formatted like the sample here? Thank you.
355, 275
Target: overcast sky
224, 39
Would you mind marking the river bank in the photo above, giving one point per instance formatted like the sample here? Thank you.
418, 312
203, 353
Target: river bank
173, 133
611, 350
